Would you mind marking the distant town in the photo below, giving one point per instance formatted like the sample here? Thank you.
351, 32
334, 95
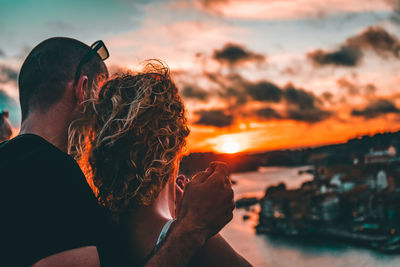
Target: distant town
354, 196
357, 203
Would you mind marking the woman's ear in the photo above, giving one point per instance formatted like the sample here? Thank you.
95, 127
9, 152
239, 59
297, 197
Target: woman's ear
179, 191
80, 89
180, 181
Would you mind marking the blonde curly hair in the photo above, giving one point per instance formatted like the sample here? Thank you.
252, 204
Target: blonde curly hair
130, 138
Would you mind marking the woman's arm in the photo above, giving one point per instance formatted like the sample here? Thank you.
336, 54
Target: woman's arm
217, 252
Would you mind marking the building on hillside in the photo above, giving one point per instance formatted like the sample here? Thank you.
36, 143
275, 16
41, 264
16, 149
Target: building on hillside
380, 155
335, 180
330, 209
381, 180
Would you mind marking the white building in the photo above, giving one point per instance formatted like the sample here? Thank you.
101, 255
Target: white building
381, 180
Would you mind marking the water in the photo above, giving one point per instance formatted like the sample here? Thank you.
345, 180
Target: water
262, 250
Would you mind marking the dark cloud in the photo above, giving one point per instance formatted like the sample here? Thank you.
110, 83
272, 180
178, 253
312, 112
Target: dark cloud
350, 53
214, 117
8, 103
295, 108
299, 97
211, 3
265, 91
345, 56
328, 96
268, 113
234, 54
2, 54
370, 89
395, 17
377, 39
296, 103
299, 105
213, 6
376, 108
304, 106
7, 74
352, 89
310, 115
195, 93
232, 88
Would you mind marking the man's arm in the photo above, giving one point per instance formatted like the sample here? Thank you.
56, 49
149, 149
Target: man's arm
179, 247
217, 252
85, 256
206, 207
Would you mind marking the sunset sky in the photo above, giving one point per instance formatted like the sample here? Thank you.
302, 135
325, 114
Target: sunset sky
255, 74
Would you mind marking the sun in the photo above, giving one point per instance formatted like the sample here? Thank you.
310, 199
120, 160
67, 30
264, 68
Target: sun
230, 147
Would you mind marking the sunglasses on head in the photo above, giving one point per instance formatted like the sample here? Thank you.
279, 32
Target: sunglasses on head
98, 48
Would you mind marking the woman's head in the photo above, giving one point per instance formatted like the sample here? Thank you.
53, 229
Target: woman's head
137, 129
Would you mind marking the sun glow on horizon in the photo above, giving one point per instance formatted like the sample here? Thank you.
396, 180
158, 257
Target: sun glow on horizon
231, 147
229, 143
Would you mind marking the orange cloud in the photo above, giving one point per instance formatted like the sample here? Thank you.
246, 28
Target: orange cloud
289, 134
287, 10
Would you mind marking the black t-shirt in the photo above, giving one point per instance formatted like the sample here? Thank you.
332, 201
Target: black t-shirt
47, 206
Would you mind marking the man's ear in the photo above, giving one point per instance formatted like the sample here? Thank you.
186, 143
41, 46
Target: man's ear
80, 89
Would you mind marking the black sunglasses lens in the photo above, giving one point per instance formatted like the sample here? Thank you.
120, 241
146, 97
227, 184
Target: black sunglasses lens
103, 53
96, 44
100, 48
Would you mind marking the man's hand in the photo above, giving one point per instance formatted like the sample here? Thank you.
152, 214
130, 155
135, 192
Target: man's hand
207, 203
206, 207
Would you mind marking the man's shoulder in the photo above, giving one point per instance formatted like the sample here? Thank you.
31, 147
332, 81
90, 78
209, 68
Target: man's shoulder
49, 206
28, 148
28, 157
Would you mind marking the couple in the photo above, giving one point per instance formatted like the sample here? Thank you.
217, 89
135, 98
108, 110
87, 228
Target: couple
127, 133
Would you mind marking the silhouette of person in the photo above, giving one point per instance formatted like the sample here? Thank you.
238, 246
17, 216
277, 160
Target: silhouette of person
5, 126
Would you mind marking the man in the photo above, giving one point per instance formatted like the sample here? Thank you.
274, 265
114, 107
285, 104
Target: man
50, 217
5, 126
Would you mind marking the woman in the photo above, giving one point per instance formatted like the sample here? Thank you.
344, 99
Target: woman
130, 144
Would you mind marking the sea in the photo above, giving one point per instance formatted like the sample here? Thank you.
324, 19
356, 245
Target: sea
263, 250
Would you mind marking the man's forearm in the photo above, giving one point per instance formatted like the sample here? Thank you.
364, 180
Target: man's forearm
179, 247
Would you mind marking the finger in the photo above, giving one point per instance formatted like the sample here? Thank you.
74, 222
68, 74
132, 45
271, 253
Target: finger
186, 181
228, 181
218, 180
202, 176
181, 176
220, 167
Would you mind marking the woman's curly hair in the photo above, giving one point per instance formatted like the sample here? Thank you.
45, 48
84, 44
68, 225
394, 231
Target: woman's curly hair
131, 136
